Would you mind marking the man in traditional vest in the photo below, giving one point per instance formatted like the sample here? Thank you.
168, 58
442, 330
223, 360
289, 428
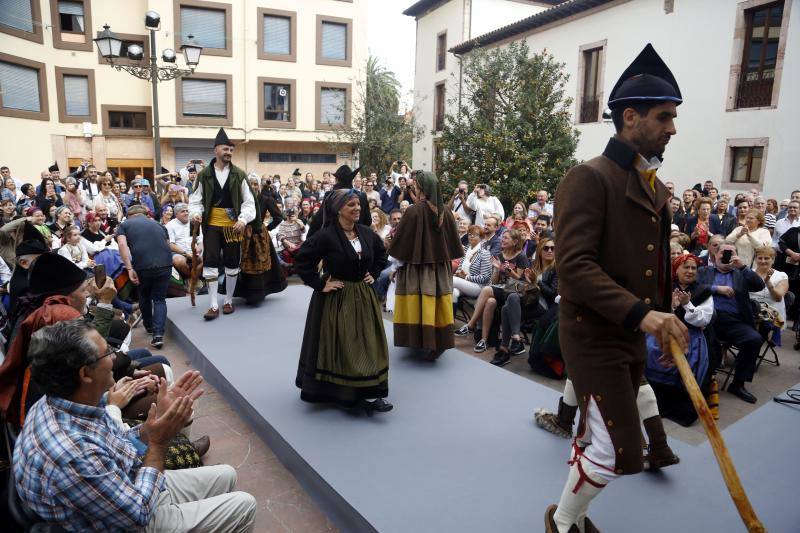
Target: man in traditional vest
223, 202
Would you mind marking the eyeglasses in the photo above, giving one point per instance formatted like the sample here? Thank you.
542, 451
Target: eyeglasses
548, 248
113, 351
137, 186
106, 184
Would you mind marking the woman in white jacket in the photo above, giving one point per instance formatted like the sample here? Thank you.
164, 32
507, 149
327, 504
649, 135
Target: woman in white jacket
483, 203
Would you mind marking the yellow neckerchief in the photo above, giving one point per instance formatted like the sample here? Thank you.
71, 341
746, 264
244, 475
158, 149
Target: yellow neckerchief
647, 169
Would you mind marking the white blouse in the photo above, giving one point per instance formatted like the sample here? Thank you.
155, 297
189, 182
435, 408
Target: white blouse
763, 296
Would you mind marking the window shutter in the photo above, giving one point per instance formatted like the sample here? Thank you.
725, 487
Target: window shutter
19, 87
182, 155
277, 35
76, 96
204, 98
206, 25
332, 106
17, 14
65, 7
334, 41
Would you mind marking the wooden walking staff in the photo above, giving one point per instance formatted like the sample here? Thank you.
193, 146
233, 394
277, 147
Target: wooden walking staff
195, 262
729, 473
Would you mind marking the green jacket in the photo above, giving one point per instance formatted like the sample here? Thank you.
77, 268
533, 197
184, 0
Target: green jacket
206, 178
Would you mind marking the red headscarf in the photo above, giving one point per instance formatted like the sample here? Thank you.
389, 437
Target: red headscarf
681, 259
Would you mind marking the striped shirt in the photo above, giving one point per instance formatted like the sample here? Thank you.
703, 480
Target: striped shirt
74, 465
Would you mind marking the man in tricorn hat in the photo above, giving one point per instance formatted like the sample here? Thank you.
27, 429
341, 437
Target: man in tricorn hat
222, 201
344, 180
614, 280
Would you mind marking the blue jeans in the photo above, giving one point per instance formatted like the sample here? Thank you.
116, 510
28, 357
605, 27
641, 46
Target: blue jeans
153, 284
122, 304
381, 284
146, 358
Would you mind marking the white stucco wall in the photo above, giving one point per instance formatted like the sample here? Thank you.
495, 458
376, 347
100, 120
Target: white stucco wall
696, 40
488, 15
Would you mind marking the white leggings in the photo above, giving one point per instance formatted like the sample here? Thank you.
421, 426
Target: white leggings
470, 289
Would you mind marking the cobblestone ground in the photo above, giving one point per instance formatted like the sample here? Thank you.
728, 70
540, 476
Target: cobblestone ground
284, 506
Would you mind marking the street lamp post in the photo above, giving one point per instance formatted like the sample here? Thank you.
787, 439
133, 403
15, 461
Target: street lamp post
110, 47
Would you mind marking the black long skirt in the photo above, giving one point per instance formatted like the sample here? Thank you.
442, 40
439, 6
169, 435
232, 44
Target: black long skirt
255, 287
344, 357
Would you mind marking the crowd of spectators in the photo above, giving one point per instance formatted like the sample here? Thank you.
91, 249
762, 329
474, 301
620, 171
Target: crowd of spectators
735, 272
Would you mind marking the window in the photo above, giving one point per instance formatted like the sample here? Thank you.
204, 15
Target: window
441, 51
333, 105
23, 88
438, 107
76, 96
124, 120
268, 157
204, 99
590, 103
208, 22
276, 103
70, 16
745, 162
22, 18
760, 55
277, 35
590, 87
334, 41
72, 24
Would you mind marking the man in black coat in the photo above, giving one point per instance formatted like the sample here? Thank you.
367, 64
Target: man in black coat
731, 282
344, 180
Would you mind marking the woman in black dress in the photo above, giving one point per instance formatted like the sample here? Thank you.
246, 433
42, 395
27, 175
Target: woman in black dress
344, 358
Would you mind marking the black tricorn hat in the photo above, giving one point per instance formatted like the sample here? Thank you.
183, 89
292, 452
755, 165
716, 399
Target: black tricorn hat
33, 241
222, 138
647, 79
51, 273
345, 175
296, 172
53, 167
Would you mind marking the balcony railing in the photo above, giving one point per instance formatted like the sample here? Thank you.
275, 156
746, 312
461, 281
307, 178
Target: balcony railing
755, 89
590, 109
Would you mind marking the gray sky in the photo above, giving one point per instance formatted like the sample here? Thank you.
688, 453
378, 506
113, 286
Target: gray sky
391, 37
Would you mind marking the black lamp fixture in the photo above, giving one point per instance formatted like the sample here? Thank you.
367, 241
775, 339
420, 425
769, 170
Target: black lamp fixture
191, 52
108, 43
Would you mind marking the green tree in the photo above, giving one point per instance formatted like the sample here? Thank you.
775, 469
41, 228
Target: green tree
378, 133
512, 126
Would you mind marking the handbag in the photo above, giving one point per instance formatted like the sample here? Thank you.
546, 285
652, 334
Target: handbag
528, 292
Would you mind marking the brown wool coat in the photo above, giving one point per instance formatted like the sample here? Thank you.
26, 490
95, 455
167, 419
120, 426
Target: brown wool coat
612, 259
417, 241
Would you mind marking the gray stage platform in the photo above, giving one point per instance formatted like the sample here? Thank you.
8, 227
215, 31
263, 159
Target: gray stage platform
460, 452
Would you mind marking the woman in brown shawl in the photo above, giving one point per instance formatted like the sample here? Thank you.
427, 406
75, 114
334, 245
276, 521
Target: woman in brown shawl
426, 241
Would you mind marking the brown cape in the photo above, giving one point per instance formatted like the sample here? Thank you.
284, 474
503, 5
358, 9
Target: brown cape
417, 241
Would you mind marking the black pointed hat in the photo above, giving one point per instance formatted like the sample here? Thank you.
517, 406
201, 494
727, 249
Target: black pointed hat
296, 172
33, 242
647, 79
345, 175
53, 167
222, 138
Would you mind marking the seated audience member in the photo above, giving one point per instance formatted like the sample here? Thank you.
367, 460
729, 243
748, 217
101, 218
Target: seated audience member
694, 305
731, 282
528, 243
180, 240
380, 224
699, 226
508, 265
63, 219
290, 236
404, 205
28, 198
74, 199
107, 223
306, 211
518, 214
75, 465
542, 226
750, 236
462, 225
475, 267
722, 222
532, 303
492, 233
139, 197
772, 295
57, 291
675, 250
8, 210
73, 248
166, 215
791, 220
713, 247
678, 218
31, 246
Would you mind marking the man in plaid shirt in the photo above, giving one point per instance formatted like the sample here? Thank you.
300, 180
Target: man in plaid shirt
76, 466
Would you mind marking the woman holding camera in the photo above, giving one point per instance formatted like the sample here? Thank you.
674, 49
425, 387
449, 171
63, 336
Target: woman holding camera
483, 203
